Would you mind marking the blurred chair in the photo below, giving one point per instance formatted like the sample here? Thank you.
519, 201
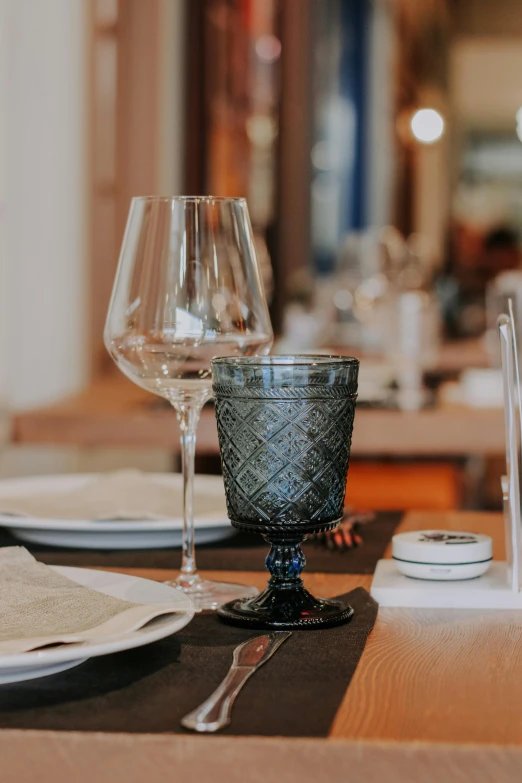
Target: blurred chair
424, 486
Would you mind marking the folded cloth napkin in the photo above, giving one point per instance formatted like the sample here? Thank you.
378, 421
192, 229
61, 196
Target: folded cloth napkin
125, 494
40, 607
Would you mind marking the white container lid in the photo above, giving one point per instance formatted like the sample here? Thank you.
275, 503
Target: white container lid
442, 547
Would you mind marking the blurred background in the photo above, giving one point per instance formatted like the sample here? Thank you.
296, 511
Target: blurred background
379, 145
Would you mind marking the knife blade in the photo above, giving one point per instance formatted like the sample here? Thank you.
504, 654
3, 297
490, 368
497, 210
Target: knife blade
215, 712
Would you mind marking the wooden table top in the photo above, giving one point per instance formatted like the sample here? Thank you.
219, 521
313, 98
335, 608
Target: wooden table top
437, 696
115, 413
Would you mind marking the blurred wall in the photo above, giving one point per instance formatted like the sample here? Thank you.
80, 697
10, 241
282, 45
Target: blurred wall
486, 81
485, 17
43, 135
432, 186
380, 148
45, 208
173, 44
3, 199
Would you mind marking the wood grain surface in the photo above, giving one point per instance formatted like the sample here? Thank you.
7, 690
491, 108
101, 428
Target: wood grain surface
325, 585
69, 757
436, 697
428, 674
439, 675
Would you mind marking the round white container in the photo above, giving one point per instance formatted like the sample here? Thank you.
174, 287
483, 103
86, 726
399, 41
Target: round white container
442, 554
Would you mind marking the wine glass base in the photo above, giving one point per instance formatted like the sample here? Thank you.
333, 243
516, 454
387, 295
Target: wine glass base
282, 609
207, 595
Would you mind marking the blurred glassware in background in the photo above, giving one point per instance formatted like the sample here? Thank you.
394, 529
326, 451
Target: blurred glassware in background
412, 340
304, 321
394, 250
507, 285
358, 286
380, 299
411, 320
476, 388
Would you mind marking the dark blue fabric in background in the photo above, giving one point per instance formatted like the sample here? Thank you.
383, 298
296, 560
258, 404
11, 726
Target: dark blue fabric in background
342, 51
353, 80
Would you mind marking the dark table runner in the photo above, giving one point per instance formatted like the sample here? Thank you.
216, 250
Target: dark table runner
243, 552
295, 694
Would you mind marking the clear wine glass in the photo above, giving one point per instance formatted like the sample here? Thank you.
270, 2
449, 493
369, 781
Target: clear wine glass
187, 289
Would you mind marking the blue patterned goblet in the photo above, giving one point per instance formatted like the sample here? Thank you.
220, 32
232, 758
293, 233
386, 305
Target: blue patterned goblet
285, 428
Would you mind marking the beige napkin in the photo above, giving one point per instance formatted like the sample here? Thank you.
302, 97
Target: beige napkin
40, 607
125, 494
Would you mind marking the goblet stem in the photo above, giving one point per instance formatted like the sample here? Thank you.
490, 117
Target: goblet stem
188, 416
285, 561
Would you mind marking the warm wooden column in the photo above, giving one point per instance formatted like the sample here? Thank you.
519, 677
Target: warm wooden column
137, 123
294, 146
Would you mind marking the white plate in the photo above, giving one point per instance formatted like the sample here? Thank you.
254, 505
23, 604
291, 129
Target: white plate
29, 665
212, 522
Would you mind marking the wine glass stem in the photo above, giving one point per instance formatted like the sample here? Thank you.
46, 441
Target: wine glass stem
188, 416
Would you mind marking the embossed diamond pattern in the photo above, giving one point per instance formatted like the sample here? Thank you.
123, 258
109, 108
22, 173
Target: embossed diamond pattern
249, 481
232, 457
312, 499
270, 502
336, 438
291, 410
268, 463
314, 421
247, 408
290, 483
236, 501
290, 515
245, 440
327, 478
312, 461
266, 421
228, 417
285, 461
290, 442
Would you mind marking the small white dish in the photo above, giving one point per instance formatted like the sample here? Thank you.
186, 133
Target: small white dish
442, 555
477, 388
482, 388
50, 660
212, 523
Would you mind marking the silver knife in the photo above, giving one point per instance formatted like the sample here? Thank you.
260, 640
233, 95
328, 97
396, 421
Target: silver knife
215, 712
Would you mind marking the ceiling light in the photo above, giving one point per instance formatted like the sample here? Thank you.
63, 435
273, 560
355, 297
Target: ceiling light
427, 125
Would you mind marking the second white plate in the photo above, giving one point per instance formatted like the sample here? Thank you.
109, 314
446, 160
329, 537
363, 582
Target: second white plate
212, 523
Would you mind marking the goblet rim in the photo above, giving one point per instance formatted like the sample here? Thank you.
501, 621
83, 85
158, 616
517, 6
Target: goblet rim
191, 199
287, 360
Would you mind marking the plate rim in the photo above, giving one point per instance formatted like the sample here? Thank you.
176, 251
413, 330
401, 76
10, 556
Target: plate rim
210, 520
72, 652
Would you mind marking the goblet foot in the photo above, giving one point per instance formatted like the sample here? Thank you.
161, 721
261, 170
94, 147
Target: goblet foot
207, 595
285, 603
286, 608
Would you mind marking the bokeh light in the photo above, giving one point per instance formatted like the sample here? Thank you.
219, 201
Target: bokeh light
427, 125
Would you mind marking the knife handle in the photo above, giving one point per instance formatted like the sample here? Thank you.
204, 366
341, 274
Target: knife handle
214, 713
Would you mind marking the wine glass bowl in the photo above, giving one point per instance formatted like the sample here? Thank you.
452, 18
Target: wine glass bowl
285, 426
188, 288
